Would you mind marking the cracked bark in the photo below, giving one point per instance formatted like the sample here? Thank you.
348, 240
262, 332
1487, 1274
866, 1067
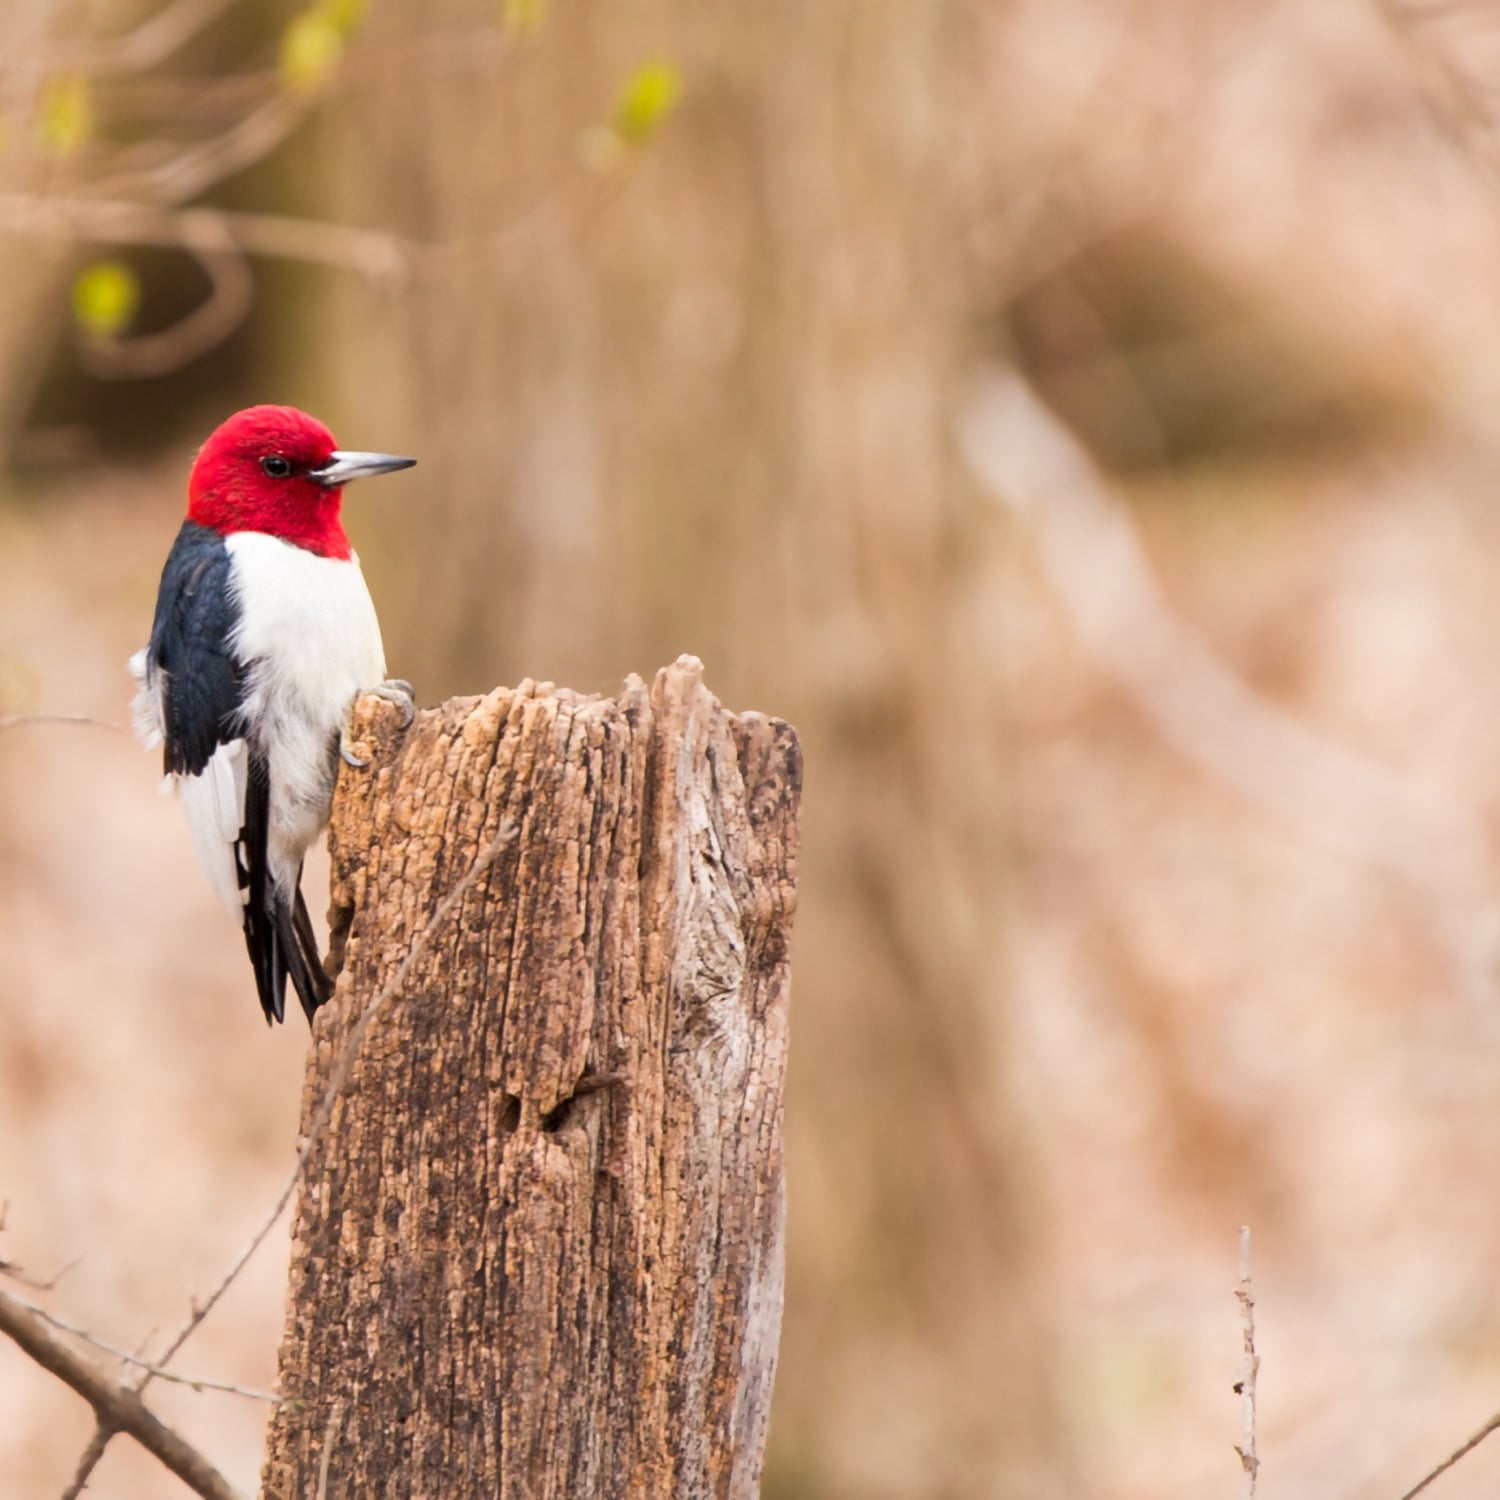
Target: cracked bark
507, 1281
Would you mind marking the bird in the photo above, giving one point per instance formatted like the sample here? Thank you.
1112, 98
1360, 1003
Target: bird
264, 634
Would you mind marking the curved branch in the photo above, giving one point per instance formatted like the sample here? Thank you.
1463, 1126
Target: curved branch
152, 42
21, 721
158, 1372
346, 247
230, 298
116, 1406
198, 168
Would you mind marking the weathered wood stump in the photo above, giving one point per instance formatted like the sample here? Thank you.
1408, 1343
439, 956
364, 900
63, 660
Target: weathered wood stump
538, 1250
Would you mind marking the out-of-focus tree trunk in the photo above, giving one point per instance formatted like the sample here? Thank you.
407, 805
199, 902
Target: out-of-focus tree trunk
707, 402
506, 1281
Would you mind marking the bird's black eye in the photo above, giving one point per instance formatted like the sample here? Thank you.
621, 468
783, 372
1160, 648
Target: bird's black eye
276, 466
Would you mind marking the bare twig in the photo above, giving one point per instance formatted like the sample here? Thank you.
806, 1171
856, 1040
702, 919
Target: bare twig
36, 1284
152, 42
198, 98
221, 239
193, 170
1491, 1426
198, 167
1454, 99
230, 298
88, 1460
103, 1432
22, 721
115, 1404
377, 254
134, 202
159, 1372
1249, 1459
370, 252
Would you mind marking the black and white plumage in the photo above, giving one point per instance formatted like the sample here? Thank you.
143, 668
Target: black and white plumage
259, 645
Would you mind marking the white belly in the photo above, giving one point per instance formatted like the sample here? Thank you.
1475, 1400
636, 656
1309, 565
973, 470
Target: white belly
307, 631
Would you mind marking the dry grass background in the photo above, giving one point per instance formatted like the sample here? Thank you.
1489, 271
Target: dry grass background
1071, 1005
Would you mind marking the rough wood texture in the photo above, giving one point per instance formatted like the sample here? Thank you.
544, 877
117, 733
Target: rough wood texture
504, 1284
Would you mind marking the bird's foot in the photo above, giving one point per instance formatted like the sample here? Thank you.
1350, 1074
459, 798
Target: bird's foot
346, 748
393, 690
400, 692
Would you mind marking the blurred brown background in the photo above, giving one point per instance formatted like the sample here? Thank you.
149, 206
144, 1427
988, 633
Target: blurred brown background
1078, 418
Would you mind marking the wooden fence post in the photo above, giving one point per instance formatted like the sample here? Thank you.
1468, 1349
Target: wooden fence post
538, 1249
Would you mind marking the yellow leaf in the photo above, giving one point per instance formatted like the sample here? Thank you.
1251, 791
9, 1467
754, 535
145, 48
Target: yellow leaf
523, 15
311, 47
105, 298
66, 121
648, 98
345, 16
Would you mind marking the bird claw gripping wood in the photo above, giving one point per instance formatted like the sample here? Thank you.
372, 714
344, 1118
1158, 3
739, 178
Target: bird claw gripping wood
346, 744
399, 691
394, 690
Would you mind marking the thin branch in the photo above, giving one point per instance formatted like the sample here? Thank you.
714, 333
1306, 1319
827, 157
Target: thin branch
221, 239
1249, 1459
371, 252
1454, 100
32, 1283
199, 167
88, 1460
1491, 1426
408, 60
152, 42
103, 1432
115, 1404
22, 721
159, 1372
106, 214
230, 298
374, 253
182, 99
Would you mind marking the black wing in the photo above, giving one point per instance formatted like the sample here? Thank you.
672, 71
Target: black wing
202, 686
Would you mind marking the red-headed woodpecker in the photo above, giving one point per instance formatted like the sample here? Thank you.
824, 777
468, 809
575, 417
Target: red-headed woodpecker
264, 634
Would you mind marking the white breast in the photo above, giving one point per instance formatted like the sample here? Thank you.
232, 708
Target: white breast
307, 631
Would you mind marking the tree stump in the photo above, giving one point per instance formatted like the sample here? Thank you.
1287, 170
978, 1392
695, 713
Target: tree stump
538, 1250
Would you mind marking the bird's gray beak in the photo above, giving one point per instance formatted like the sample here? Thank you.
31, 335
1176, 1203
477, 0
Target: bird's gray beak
342, 467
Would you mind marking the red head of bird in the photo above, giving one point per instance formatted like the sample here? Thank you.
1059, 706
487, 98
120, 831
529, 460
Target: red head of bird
277, 470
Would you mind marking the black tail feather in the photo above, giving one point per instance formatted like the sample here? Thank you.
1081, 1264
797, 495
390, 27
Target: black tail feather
299, 943
255, 877
278, 930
